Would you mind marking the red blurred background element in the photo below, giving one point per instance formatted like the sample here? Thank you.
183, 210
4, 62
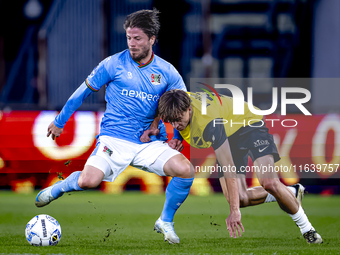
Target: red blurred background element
28, 159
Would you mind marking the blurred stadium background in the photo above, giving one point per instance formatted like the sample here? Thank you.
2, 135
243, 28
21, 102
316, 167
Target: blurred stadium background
48, 47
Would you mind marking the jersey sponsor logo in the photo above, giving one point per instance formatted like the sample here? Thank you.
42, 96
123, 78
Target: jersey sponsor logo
261, 142
141, 95
108, 151
156, 79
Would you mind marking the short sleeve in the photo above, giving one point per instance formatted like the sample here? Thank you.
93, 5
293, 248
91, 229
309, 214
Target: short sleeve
215, 134
102, 74
175, 80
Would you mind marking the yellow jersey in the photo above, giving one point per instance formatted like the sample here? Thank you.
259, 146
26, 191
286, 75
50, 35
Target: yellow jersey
217, 124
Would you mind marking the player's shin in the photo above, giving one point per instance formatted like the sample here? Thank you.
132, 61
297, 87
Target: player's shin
69, 184
176, 192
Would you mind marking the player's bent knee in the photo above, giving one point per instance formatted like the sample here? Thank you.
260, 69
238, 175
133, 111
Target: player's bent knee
179, 166
270, 185
184, 170
87, 184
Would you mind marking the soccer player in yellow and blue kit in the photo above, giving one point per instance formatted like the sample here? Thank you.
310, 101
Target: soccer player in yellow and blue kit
232, 144
134, 80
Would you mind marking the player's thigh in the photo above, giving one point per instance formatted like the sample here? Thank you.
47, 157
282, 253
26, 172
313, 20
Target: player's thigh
239, 153
151, 157
261, 144
90, 177
157, 157
112, 156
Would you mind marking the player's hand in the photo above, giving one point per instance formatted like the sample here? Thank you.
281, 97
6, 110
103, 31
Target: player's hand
145, 137
234, 223
176, 144
54, 131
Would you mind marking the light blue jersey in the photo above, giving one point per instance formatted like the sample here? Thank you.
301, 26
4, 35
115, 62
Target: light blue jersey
132, 93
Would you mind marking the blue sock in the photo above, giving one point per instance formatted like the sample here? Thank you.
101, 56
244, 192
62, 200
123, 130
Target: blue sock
69, 184
175, 194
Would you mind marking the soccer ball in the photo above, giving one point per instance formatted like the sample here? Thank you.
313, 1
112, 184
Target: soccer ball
43, 230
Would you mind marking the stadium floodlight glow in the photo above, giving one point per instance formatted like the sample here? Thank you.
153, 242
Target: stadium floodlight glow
33, 9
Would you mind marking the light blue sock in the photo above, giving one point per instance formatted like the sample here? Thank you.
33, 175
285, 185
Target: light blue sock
175, 194
69, 184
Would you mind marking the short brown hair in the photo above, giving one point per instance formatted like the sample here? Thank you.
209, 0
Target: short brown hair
146, 20
173, 104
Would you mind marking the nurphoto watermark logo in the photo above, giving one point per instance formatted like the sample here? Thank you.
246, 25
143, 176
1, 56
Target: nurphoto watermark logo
238, 104
296, 120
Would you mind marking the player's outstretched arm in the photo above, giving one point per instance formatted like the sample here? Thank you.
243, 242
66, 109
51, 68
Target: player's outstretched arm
72, 104
223, 155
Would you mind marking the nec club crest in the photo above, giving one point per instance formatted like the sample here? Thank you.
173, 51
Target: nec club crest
156, 79
108, 151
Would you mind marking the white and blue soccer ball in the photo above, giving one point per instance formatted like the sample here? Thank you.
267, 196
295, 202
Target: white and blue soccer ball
43, 230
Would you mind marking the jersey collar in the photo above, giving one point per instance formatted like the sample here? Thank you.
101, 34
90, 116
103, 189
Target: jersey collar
140, 65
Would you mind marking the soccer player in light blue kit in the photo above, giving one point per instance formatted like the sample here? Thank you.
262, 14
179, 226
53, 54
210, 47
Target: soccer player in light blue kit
134, 79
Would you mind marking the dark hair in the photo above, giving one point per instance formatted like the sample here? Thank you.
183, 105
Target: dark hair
147, 20
173, 104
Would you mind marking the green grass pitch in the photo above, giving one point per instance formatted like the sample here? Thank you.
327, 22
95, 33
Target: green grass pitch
97, 223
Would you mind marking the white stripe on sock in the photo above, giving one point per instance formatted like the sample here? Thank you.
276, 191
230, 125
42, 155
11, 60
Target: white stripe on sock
270, 198
292, 189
